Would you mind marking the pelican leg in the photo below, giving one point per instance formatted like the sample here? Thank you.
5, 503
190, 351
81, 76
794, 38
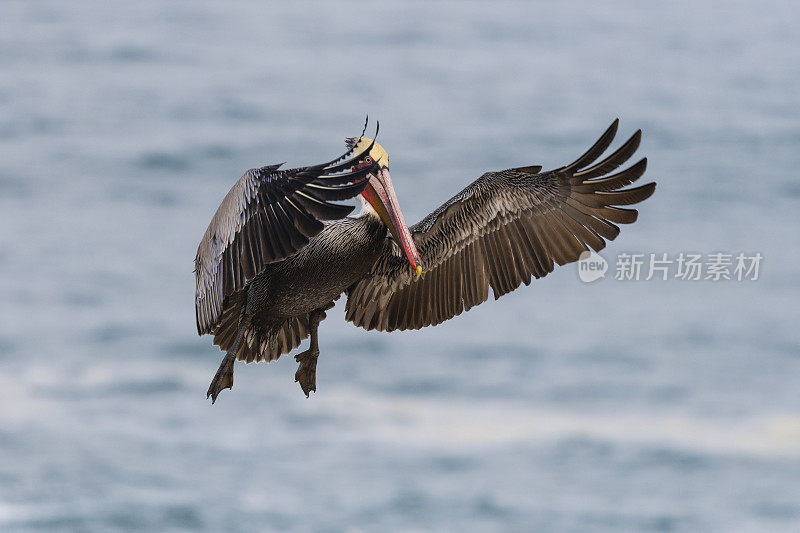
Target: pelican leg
223, 379
306, 373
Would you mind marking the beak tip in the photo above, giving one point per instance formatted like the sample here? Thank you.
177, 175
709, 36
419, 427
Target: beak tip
419, 270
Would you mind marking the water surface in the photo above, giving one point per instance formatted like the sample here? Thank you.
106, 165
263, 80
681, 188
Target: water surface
616, 406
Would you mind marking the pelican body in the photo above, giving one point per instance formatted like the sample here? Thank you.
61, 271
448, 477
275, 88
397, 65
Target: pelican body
279, 251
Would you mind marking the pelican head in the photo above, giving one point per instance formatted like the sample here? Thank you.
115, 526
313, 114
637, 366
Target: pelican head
379, 194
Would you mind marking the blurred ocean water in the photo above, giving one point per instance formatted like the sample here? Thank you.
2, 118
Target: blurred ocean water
615, 406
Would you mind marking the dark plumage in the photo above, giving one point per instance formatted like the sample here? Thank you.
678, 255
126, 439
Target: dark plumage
268, 215
267, 268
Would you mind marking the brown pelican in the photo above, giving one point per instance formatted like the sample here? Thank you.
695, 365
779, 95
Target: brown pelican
268, 268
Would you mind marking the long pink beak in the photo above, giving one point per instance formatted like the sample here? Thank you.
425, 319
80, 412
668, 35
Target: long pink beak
380, 195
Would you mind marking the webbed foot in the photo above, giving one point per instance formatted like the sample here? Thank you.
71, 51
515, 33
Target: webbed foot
306, 373
223, 379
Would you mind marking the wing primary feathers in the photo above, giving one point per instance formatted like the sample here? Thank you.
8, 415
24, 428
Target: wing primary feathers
596, 150
348, 177
305, 223
627, 196
615, 181
622, 154
345, 192
322, 209
296, 239
617, 214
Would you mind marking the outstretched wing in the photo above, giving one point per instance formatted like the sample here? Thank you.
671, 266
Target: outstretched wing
498, 232
268, 215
